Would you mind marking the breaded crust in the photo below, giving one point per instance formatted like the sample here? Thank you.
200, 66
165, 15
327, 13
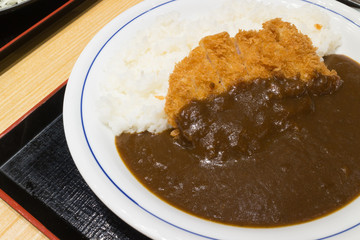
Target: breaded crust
220, 62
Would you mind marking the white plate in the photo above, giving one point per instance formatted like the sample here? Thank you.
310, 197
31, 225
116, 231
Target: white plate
93, 150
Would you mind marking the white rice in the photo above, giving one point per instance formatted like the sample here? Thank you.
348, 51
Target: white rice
139, 73
9, 3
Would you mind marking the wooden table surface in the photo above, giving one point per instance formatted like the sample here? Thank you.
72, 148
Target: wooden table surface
35, 70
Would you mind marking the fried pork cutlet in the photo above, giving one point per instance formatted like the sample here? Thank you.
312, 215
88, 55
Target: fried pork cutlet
220, 62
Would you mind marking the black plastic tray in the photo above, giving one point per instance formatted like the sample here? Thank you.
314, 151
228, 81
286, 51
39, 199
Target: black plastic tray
43, 179
21, 23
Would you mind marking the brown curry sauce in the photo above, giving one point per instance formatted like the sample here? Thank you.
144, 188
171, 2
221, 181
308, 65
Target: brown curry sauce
272, 152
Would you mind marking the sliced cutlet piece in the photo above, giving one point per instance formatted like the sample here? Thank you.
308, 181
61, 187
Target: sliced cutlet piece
225, 58
248, 44
193, 78
280, 49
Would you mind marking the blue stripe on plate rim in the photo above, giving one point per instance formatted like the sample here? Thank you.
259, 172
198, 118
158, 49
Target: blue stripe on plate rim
102, 169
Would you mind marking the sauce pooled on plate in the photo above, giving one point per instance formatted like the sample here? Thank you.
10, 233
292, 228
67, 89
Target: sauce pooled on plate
253, 156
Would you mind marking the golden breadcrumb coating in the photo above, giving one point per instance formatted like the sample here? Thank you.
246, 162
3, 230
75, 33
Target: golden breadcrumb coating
224, 58
220, 62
